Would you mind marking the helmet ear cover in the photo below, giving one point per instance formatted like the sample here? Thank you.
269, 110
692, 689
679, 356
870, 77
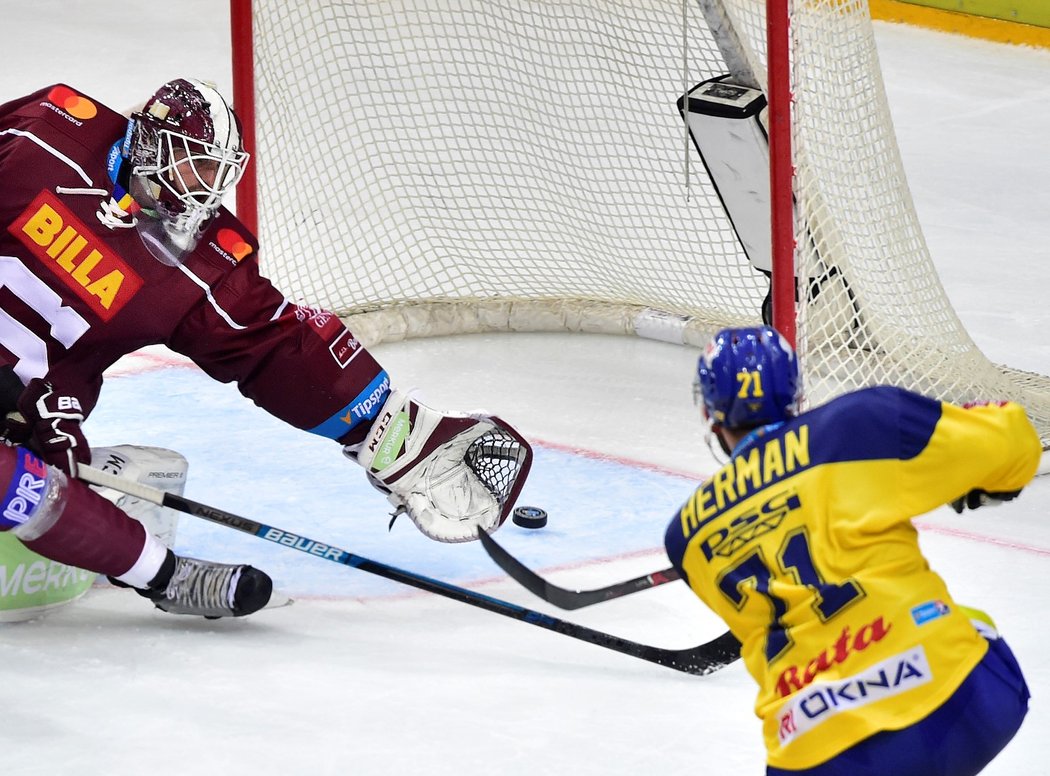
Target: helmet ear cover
748, 378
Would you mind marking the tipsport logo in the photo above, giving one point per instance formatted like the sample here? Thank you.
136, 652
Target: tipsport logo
231, 245
70, 104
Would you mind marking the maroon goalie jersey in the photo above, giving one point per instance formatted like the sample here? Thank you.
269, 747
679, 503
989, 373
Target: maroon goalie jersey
79, 288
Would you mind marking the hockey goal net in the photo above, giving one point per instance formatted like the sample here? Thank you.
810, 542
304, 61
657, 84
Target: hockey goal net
433, 166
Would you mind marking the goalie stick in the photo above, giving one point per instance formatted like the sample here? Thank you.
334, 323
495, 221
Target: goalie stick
700, 660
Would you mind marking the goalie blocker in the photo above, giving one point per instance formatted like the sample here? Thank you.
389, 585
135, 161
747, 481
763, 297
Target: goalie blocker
452, 473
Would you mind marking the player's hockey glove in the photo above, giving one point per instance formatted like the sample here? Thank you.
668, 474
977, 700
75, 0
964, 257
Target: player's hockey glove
451, 473
49, 424
977, 498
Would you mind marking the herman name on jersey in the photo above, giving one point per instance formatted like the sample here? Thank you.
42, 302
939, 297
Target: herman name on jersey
743, 476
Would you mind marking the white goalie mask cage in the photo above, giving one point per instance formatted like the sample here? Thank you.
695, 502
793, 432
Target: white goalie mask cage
186, 151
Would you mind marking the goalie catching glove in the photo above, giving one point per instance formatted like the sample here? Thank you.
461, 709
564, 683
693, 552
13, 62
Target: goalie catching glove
451, 473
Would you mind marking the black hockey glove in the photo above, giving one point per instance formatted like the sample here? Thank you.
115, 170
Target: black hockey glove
982, 498
49, 424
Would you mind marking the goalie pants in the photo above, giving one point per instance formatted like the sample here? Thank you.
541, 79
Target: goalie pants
958, 739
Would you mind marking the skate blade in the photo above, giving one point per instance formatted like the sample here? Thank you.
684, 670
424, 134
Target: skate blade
279, 599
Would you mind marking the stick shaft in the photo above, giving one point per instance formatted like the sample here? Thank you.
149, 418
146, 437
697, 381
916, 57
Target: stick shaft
562, 597
700, 660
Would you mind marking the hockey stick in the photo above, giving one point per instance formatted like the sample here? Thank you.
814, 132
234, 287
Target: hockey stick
700, 660
729, 44
560, 596
577, 599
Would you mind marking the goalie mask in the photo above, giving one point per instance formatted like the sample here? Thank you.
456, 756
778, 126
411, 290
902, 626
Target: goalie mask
747, 378
186, 153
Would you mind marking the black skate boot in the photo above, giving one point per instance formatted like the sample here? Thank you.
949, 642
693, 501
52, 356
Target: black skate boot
211, 590
214, 589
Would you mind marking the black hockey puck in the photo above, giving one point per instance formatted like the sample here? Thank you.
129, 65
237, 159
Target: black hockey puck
529, 517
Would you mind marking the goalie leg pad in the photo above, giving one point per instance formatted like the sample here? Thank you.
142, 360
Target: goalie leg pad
153, 466
451, 473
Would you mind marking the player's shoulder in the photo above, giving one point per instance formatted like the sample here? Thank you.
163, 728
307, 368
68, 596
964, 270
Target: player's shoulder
879, 400
65, 108
227, 244
875, 422
61, 116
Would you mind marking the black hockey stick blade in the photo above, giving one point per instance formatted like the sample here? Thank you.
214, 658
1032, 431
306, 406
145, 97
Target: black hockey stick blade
562, 597
708, 657
700, 660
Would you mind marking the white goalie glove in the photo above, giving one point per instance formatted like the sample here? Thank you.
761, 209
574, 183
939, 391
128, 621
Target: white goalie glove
451, 473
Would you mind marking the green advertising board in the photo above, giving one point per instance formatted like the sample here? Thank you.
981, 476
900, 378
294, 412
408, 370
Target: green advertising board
31, 585
1034, 12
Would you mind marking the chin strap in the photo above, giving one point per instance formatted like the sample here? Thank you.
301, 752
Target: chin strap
720, 452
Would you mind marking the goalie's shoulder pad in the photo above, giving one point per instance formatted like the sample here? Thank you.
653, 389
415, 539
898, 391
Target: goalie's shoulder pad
451, 472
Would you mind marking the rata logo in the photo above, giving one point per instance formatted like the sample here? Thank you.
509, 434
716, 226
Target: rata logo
74, 104
233, 244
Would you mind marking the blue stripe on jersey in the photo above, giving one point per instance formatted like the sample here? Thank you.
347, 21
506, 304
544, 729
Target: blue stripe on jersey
880, 423
365, 406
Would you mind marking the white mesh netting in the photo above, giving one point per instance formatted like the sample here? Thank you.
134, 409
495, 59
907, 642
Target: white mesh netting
439, 166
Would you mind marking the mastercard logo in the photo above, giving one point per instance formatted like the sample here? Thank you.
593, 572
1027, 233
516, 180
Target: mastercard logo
233, 243
72, 103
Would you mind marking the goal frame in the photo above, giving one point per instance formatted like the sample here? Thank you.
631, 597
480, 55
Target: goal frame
851, 276
781, 169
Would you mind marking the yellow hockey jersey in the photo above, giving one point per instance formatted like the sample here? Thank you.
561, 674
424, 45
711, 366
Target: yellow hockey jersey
803, 544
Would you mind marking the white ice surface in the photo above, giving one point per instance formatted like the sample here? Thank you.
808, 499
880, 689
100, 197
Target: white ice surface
368, 677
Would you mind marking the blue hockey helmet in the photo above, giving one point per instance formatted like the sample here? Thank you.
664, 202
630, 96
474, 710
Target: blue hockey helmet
748, 378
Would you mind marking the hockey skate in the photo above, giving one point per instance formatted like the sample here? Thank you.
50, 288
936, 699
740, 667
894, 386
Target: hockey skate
211, 590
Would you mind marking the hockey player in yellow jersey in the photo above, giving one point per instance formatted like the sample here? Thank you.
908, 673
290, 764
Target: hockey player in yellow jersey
803, 544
